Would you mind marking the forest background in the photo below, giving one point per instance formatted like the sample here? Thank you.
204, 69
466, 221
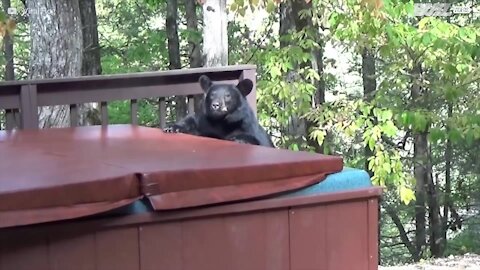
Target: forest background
392, 89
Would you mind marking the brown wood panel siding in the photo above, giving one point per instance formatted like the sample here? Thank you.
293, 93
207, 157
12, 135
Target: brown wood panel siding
372, 234
205, 245
258, 241
118, 249
308, 228
302, 233
330, 237
346, 236
161, 245
73, 252
24, 252
253, 241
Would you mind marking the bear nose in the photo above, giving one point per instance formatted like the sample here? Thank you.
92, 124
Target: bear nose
215, 105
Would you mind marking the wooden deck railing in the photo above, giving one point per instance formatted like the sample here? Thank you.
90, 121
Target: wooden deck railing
20, 100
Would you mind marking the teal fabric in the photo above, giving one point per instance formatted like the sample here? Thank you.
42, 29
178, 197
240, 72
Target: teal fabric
347, 179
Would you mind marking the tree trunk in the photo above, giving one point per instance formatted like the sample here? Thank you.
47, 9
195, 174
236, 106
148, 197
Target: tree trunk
448, 182
194, 46
56, 48
287, 21
88, 112
91, 48
426, 190
420, 156
192, 25
319, 99
8, 53
401, 229
287, 25
301, 23
436, 239
174, 52
215, 36
8, 49
369, 89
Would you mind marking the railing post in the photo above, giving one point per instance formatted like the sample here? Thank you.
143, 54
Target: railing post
73, 115
252, 97
134, 111
29, 106
9, 119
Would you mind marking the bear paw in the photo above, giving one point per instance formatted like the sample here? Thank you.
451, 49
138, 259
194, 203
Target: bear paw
171, 130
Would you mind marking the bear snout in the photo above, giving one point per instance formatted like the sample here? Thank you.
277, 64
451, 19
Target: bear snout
216, 105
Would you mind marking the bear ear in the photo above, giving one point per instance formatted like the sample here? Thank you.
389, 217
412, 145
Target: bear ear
245, 87
205, 82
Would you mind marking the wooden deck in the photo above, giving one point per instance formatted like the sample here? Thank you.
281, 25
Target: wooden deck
20, 99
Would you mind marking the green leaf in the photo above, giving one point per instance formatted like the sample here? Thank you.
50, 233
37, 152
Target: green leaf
428, 38
436, 134
240, 3
454, 135
270, 6
3, 16
275, 71
420, 121
371, 143
241, 10
294, 147
319, 135
423, 23
467, 35
389, 129
386, 166
470, 137
406, 194
409, 7
254, 2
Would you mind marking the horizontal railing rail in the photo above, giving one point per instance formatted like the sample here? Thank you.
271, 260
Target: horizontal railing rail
20, 100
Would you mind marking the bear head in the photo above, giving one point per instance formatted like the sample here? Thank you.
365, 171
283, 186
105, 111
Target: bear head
223, 99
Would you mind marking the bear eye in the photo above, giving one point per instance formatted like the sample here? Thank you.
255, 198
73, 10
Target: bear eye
227, 96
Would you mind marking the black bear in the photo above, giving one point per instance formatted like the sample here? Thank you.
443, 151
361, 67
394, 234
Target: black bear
225, 115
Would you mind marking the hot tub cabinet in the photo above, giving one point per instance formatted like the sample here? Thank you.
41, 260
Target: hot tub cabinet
332, 230
129, 197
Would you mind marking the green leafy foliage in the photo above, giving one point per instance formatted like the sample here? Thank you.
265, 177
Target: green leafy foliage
131, 37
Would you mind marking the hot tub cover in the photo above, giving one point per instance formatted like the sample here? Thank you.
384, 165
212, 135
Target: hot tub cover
57, 174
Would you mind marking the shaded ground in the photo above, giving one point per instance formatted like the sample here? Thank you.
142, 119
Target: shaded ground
464, 262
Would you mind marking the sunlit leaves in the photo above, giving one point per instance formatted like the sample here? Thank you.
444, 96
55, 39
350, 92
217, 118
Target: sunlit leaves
406, 194
240, 6
375, 125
